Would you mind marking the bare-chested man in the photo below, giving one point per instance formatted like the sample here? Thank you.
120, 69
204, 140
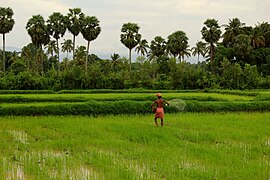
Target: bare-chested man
159, 108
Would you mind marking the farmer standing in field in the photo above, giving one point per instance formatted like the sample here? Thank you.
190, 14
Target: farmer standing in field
159, 111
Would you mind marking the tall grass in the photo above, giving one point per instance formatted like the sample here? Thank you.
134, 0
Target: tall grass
93, 108
189, 146
120, 96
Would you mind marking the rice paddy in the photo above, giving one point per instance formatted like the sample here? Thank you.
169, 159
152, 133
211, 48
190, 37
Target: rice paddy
189, 146
123, 96
113, 136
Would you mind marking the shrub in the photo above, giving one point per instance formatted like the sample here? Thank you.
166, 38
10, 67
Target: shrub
26, 92
228, 106
89, 108
93, 108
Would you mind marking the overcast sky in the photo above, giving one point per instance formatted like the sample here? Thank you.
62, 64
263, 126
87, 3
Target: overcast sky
155, 17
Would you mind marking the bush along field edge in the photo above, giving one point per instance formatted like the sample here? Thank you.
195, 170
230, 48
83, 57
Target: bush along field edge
94, 108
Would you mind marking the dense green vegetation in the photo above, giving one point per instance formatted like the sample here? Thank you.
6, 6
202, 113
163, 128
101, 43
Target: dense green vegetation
93, 102
237, 57
190, 146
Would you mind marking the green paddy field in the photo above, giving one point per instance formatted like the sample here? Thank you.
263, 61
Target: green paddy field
189, 146
217, 143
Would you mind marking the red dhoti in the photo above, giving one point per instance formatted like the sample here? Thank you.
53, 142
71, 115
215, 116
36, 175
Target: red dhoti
159, 113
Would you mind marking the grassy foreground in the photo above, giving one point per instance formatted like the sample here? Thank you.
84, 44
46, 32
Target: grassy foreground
189, 146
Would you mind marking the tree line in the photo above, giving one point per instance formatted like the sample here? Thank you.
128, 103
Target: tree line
237, 58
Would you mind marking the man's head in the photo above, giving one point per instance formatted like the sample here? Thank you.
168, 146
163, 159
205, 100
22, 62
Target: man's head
158, 95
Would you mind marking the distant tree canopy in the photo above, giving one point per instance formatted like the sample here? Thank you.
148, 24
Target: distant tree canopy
238, 58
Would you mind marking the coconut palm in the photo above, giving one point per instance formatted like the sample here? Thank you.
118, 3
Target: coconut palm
39, 34
257, 38
265, 29
233, 29
185, 52
57, 28
74, 24
130, 37
199, 49
52, 48
115, 59
6, 25
67, 46
90, 31
142, 47
211, 33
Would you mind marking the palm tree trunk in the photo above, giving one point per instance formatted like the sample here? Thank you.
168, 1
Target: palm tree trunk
86, 58
4, 58
58, 57
52, 62
129, 60
212, 57
73, 47
41, 58
198, 58
37, 69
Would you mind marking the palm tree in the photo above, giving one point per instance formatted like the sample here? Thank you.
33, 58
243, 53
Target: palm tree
233, 29
38, 31
211, 34
265, 29
199, 49
90, 31
51, 48
177, 44
185, 52
39, 34
157, 48
242, 46
115, 59
74, 24
130, 37
57, 27
6, 25
257, 38
67, 46
142, 47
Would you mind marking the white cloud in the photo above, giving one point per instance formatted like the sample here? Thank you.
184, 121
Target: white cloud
23, 11
155, 17
32, 7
